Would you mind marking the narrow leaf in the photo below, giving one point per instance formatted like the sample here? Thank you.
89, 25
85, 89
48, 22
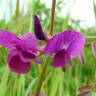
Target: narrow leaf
17, 11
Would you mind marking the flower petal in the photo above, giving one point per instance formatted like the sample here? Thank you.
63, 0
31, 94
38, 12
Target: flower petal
41, 94
15, 63
77, 41
61, 59
29, 42
27, 56
30, 47
38, 29
54, 45
8, 39
69, 40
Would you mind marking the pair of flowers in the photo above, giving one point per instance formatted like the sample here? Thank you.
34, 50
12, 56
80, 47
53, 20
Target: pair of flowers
25, 49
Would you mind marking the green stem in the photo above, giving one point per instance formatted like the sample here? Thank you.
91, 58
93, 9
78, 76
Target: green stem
90, 37
42, 75
52, 16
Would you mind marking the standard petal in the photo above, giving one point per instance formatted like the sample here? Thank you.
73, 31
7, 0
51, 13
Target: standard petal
15, 63
69, 40
38, 29
61, 59
29, 42
77, 41
8, 39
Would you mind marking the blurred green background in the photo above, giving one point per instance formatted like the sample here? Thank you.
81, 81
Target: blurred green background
57, 83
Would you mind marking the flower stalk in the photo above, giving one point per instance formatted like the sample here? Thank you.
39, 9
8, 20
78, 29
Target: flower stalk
43, 72
52, 17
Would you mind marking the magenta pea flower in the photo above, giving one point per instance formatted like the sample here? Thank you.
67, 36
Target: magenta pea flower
23, 50
64, 46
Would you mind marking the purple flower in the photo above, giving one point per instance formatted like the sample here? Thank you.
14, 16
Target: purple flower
65, 46
38, 29
23, 50
41, 94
